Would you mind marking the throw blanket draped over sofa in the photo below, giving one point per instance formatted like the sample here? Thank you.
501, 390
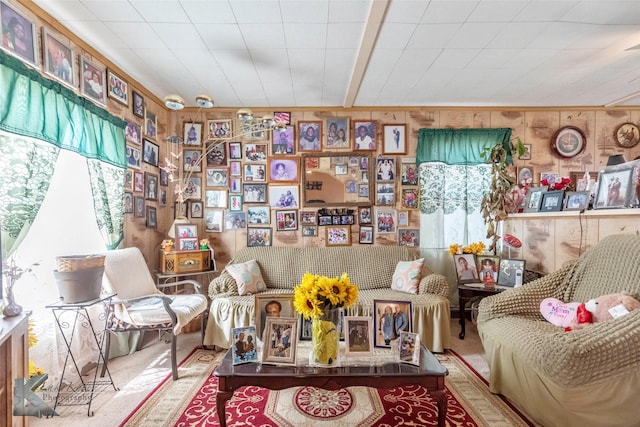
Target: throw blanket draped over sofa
371, 268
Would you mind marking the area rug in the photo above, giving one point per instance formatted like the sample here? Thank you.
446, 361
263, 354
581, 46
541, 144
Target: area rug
190, 401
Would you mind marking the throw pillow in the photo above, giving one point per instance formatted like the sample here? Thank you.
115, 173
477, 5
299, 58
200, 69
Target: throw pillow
407, 276
248, 277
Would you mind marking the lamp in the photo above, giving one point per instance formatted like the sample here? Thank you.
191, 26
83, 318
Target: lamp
616, 159
244, 114
204, 101
174, 102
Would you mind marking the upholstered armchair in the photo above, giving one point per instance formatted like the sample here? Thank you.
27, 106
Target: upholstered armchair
140, 305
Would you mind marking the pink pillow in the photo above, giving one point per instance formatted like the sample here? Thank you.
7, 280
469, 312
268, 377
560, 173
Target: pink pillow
248, 277
407, 276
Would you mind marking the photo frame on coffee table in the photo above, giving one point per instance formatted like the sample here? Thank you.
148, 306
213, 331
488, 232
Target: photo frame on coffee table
466, 271
387, 326
511, 272
552, 201
533, 199
358, 336
280, 347
409, 348
245, 346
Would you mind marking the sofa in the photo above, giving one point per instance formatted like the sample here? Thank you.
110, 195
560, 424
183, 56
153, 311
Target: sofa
584, 377
370, 267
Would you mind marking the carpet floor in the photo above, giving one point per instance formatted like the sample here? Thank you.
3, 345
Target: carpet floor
191, 401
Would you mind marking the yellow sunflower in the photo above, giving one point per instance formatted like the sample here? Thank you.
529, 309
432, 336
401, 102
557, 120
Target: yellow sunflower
306, 303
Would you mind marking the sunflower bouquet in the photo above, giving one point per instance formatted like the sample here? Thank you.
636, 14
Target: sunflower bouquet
473, 248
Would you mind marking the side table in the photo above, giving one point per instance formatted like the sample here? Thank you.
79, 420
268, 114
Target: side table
69, 316
465, 293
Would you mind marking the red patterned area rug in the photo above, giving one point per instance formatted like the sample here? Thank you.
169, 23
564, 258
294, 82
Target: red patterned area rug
190, 401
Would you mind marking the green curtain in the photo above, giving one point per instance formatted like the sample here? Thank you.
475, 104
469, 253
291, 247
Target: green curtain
107, 183
460, 146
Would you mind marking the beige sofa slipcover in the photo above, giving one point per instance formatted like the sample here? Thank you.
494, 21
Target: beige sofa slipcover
585, 377
370, 267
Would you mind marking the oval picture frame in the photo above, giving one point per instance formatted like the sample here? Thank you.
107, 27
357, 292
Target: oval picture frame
627, 135
568, 142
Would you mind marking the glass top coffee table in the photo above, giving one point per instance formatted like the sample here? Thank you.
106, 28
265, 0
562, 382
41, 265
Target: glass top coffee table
378, 372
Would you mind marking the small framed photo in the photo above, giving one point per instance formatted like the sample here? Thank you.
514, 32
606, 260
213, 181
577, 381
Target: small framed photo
186, 231
338, 235
118, 89
235, 202
216, 153
215, 198
527, 152
350, 186
410, 198
138, 181
18, 34
180, 209
403, 218
304, 326
192, 133
309, 134
283, 169
584, 179
365, 135
128, 202
366, 235
219, 129
386, 221
364, 215
235, 150
338, 133
576, 200
385, 169
244, 348
283, 141
552, 201
193, 188
259, 215
268, 305
408, 174
395, 139
533, 199
235, 185
235, 220
390, 318
259, 236
308, 217
255, 193
150, 152
139, 207
254, 173
235, 168
488, 266
466, 270
152, 217
363, 190
59, 58
325, 220
217, 177
280, 348
255, 152
409, 348
358, 336
286, 220
282, 117
409, 237
150, 123
525, 176
137, 106
164, 178
284, 196
92, 85
614, 188
133, 132
191, 159
511, 272
550, 177
195, 210
150, 186
309, 230
162, 200
133, 157
188, 244
128, 179
213, 219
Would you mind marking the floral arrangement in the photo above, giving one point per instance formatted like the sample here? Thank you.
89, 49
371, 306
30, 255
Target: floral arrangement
316, 293
563, 184
204, 243
166, 243
473, 248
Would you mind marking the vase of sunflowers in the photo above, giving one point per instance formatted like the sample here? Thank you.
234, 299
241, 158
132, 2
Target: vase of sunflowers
321, 300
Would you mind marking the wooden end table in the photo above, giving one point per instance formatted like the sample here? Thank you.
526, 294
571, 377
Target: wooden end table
465, 293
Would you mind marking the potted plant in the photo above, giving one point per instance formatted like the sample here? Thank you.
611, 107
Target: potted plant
167, 245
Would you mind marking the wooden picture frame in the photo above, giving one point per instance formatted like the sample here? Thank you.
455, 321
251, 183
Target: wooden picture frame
267, 305
138, 207
217, 177
59, 58
282, 117
409, 237
191, 161
213, 220
150, 186
150, 123
386, 221
309, 135
260, 215
150, 152
286, 220
552, 201
92, 86
137, 104
309, 230
576, 200
235, 168
259, 236
254, 172
128, 180
525, 176
193, 188
192, 132
614, 188
254, 193
284, 169
527, 152
185, 231
403, 218
162, 197
385, 321
216, 198
511, 272
337, 133
408, 173
196, 209
385, 169
533, 199
409, 348
365, 135
577, 178
395, 139
308, 218
284, 196
255, 152
244, 348
466, 270
365, 235
284, 352
133, 132
568, 142
151, 216
364, 215
164, 178
235, 150
118, 88
219, 129
410, 198
358, 336
25, 47
138, 181
283, 141
128, 202
488, 267
338, 235
134, 157
235, 220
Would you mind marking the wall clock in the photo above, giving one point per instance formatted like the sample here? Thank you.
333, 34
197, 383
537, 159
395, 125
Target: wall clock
568, 142
627, 135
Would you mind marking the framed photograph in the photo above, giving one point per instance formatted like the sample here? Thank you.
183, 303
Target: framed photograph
244, 348
511, 272
309, 230
283, 141
235, 185
386, 221
213, 220
150, 186
235, 202
385, 199
347, 220
215, 198
219, 128
488, 266
137, 106
284, 169
259, 236
409, 348
614, 189
128, 202
466, 270
582, 182
568, 142
195, 210
186, 231
309, 136
403, 218
408, 174
254, 193
188, 244
152, 217
409, 237
525, 176
255, 152
59, 58
341, 169
235, 150
193, 188
235, 220
139, 207
180, 209
304, 326
325, 220
358, 339
364, 215
284, 196
133, 132
338, 235
18, 34
150, 152
217, 177
191, 160
133, 157
192, 133
390, 318
164, 178
527, 152
365, 135
552, 201
271, 306
395, 139
550, 177
350, 186
533, 199
138, 182
92, 86
162, 197
286, 220
151, 123
255, 173
282, 117
308, 217
410, 197
280, 347
260, 215
254, 130
576, 200
235, 168
366, 235
118, 89
216, 153
337, 133
128, 179
385, 169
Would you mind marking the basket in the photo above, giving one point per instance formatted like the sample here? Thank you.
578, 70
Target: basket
79, 262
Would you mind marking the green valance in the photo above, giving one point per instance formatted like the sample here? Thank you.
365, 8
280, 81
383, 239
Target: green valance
35, 106
460, 146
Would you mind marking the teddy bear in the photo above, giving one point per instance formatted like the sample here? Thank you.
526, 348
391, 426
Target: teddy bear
603, 308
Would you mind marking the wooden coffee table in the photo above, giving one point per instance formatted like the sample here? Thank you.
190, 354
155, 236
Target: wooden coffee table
430, 375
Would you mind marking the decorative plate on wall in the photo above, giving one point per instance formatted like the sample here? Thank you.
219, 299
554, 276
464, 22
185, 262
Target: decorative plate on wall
568, 142
627, 135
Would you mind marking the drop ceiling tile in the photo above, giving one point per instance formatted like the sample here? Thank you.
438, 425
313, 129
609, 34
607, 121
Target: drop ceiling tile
474, 35
559, 35
517, 35
221, 36
67, 10
493, 58
433, 36
344, 35
145, 36
179, 36
496, 11
446, 11
257, 36
339, 74
405, 12
209, 12
160, 11
349, 11
256, 11
455, 58
599, 12
305, 36
394, 36
545, 11
308, 11
106, 11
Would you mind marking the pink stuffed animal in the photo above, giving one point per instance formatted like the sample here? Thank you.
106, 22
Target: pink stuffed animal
606, 307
